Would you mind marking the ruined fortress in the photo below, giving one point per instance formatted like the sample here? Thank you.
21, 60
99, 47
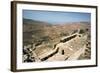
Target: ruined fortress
68, 48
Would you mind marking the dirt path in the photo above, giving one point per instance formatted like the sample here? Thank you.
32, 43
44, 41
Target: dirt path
76, 55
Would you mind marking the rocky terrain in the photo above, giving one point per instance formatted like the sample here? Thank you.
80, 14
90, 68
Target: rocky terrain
43, 41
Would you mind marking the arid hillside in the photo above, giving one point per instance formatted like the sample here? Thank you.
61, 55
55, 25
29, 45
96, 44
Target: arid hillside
34, 31
44, 37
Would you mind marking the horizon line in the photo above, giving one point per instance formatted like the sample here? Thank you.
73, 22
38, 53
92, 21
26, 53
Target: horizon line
55, 22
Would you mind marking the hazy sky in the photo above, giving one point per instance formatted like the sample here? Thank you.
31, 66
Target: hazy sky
56, 17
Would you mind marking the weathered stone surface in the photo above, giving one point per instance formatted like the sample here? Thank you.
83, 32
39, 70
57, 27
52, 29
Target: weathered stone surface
69, 48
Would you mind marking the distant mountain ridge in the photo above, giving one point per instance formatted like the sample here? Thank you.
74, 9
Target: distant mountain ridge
28, 21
